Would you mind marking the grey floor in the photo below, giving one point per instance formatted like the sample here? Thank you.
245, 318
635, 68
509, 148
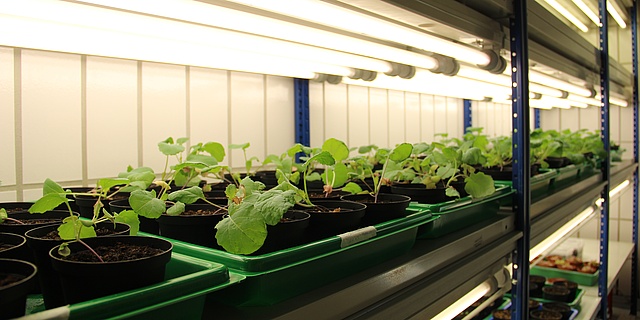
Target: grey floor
621, 309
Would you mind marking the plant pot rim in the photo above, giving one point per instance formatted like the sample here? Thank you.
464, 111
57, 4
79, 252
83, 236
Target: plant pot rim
14, 235
400, 198
29, 236
26, 278
110, 238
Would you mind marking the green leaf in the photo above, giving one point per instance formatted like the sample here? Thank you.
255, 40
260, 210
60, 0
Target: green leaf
48, 203
3, 215
67, 230
401, 152
367, 149
215, 149
336, 148
51, 186
242, 146
176, 209
131, 218
241, 233
145, 204
200, 161
182, 140
452, 192
473, 156
450, 153
352, 188
295, 149
314, 176
479, 185
170, 149
339, 171
107, 184
251, 186
323, 157
273, 204
188, 196
231, 191
446, 171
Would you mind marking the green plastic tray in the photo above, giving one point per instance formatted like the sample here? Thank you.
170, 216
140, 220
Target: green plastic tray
539, 186
585, 279
181, 296
277, 276
457, 214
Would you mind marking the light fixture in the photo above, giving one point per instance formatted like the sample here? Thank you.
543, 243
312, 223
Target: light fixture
341, 18
455, 308
581, 99
587, 11
568, 15
613, 99
547, 243
616, 13
217, 16
547, 80
618, 188
505, 80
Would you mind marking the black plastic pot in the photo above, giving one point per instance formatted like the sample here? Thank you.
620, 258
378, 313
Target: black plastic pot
32, 221
572, 286
544, 315
506, 173
325, 224
557, 162
13, 296
268, 177
320, 195
561, 308
556, 293
15, 247
48, 279
419, 193
146, 224
72, 201
196, 229
83, 281
288, 233
15, 207
388, 207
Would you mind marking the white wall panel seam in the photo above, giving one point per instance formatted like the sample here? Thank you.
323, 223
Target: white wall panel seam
324, 111
229, 119
139, 114
404, 115
17, 104
83, 120
369, 115
187, 105
265, 97
388, 120
348, 137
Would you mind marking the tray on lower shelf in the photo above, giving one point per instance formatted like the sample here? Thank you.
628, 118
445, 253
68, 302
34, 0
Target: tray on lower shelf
538, 184
182, 295
571, 174
280, 275
585, 279
457, 214
507, 304
575, 303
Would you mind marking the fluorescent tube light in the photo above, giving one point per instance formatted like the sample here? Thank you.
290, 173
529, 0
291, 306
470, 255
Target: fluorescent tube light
504, 80
463, 303
217, 16
436, 84
547, 80
547, 243
615, 12
565, 13
618, 188
587, 11
621, 102
359, 23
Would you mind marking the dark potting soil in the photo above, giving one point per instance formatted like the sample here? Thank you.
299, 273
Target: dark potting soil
502, 314
32, 221
9, 278
321, 209
117, 252
201, 212
5, 246
11, 210
53, 234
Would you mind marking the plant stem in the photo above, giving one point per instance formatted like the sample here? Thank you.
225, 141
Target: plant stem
91, 249
14, 220
166, 165
213, 204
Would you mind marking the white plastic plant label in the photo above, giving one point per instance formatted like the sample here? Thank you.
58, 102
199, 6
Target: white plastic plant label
353, 237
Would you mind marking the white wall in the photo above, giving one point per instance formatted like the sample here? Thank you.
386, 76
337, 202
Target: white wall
76, 119
361, 115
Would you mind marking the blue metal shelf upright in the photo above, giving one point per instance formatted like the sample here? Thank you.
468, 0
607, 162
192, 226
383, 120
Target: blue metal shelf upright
521, 165
634, 257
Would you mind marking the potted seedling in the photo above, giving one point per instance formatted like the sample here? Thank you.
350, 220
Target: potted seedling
88, 257
445, 173
236, 177
381, 206
251, 210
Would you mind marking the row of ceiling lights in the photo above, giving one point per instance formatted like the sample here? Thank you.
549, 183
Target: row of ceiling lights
200, 34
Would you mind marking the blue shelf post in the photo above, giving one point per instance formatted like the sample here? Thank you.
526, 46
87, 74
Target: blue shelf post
301, 110
634, 257
521, 165
604, 134
467, 116
536, 118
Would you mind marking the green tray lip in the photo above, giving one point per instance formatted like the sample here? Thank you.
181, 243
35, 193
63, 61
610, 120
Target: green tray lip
546, 176
287, 258
450, 206
569, 275
201, 281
